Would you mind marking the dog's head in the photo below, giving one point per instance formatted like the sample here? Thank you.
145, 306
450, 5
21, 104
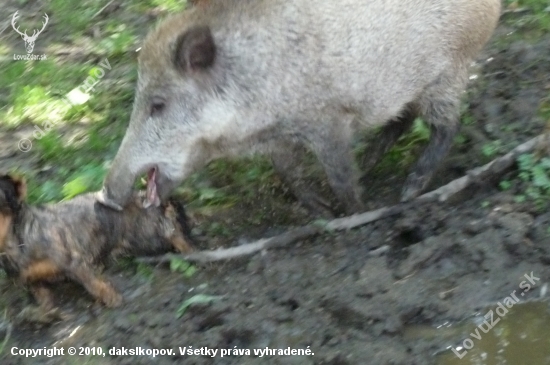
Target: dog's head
13, 191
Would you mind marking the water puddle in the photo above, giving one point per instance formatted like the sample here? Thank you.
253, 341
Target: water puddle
520, 337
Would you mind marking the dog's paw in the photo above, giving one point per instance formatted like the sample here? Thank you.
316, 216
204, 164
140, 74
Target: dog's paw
112, 299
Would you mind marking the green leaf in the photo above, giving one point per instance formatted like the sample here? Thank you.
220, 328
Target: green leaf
421, 129
505, 185
525, 176
75, 187
196, 299
540, 177
545, 162
178, 265
526, 162
520, 198
492, 148
87, 178
190, 271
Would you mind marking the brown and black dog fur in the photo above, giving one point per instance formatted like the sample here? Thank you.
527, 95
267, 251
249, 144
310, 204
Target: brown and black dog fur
73, 239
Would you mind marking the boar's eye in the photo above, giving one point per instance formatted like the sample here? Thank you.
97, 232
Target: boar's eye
157, 106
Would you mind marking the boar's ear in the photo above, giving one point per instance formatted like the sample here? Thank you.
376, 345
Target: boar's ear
195, 49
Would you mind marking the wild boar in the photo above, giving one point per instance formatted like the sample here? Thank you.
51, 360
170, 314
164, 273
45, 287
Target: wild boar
234, 77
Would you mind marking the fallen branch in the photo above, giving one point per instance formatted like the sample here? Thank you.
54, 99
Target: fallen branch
242, 250
492, 169
281, 240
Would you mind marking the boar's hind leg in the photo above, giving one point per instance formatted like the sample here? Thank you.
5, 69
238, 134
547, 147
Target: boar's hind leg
287, 158
385, 140
442, 114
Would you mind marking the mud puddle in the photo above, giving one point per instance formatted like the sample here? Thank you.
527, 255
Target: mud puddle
519, 337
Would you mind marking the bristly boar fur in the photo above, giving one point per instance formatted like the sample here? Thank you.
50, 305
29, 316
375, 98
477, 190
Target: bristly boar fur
231, 77
73, 239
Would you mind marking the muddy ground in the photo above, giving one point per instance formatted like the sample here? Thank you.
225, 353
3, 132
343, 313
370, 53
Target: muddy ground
446, 262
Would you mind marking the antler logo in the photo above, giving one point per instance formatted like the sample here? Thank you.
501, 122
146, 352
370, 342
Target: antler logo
29, 40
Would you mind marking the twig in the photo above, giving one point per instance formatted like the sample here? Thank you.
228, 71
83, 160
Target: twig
281, 240
102, 9
6, 25
360, 219
6, 338
379, 251
516, 11
493, 168
242, 250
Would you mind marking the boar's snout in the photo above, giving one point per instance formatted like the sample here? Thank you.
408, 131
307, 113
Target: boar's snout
165, 184
106, 198
118, 187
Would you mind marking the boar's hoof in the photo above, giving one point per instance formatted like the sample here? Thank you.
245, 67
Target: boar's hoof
414, 186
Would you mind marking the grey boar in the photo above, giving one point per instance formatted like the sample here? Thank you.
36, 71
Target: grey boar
235, 77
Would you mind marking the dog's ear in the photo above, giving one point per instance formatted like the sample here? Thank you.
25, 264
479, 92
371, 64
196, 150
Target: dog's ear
20, 186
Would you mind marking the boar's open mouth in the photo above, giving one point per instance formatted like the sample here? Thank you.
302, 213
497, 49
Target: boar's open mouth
152, 196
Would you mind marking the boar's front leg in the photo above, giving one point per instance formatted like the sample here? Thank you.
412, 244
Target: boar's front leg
288, 158
332, 146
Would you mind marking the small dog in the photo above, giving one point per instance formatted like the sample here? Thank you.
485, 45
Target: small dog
40, 244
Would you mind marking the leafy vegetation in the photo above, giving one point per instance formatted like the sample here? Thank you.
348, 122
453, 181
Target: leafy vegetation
492, 148
403, 153
196, 300
182, 266
534, 173
534, 20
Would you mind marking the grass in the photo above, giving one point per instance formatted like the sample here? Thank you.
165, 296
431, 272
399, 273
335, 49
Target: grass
183, 267
163, 5
405, 151
531, 25
76, 142
73, 156
73, 141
